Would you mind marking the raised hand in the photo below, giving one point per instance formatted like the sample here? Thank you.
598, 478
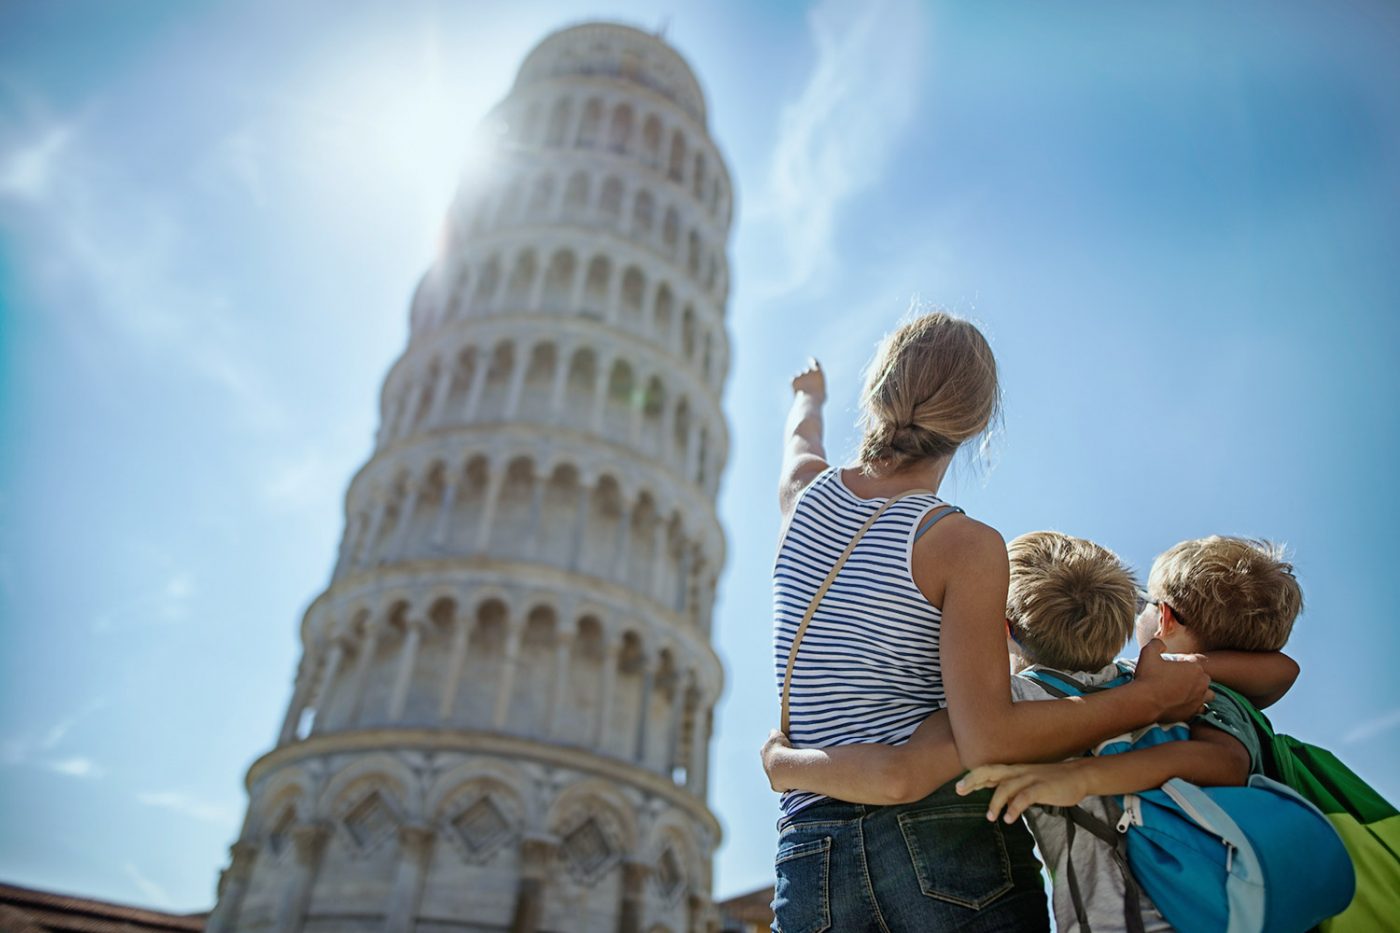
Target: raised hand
811, 380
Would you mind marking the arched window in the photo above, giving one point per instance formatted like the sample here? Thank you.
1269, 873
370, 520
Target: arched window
558, 123
592, 123
643, 209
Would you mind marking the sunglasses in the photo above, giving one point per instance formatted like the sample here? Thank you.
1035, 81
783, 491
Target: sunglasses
1143, 601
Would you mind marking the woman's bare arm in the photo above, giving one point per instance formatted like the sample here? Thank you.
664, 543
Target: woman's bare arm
878, 774
804, 455
1262, 676
964, 569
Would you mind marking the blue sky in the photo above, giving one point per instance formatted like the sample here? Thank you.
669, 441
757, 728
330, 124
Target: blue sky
1178, 226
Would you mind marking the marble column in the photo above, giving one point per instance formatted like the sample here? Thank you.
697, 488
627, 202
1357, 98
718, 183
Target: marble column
510, 663
369, 644
456, 662
444, 516
233, 885
612, 652
634, 881
639, 751
308, 843
489, 503
413, 637
321, 696
415, 848
536, 863
482, 359
559, 683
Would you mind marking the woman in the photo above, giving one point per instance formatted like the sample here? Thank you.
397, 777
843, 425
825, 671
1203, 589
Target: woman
914, 623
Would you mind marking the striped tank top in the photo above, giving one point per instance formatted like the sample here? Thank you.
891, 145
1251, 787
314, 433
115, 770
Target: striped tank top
868, 668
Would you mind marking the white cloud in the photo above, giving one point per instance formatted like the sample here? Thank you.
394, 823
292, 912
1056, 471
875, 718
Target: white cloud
835, 139
221, 814
127, 249
1370, 728
27, 171
310, 479
61, 728
77, 766
152, 893
170, 602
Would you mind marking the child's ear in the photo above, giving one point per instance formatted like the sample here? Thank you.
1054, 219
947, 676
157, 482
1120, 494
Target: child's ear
1167, 625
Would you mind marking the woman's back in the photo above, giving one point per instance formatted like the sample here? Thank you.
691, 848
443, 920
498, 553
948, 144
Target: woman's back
867, 669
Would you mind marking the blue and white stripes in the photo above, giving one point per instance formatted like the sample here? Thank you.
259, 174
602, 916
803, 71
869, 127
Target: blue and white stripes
868, 668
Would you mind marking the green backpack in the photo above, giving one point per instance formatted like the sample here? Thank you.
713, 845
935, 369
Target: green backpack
1368, 824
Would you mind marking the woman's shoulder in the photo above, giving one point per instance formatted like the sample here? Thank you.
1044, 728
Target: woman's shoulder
961, 542
803, 474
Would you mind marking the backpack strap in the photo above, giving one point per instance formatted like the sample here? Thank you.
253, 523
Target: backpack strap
821, 591
1055, 685
1116, 842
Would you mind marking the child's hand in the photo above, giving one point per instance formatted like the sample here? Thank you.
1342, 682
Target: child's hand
771, 749
1180, 682
811, 380
1020, 786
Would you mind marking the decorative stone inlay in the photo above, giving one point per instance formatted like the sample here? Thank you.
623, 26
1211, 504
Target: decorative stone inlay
669, 877
588, 851
482, 828
370, 822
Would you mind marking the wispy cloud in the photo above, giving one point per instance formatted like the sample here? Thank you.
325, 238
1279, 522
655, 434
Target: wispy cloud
152, 893
127, 247
27, 751
835, 139
168, 603
77, 766
222, 814
1370, 728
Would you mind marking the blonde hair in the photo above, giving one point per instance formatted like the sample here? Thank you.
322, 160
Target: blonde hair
1233, 593
1071, 603
931, 385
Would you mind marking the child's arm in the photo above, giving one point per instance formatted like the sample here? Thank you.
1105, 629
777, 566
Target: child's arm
1262, 676
804, 455
1211, 758
876, 774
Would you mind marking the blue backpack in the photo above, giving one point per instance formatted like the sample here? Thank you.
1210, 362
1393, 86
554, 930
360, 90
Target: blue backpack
1252, 859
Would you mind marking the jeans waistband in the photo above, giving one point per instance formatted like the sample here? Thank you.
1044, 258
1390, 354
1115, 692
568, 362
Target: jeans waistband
827, 811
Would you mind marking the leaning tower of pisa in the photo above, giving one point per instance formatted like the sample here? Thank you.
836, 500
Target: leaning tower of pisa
502, 713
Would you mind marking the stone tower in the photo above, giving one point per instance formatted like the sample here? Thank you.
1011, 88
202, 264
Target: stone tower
502, 713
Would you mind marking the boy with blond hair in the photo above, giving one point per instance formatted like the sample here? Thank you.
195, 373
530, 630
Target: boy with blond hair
1070, 608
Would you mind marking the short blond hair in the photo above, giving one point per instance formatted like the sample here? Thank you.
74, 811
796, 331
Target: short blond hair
1230, 593
1071, 602
931, 385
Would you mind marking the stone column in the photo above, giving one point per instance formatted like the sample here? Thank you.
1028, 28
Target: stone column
354, 524
517, 384
601, 381
401, 527
679, 688
456, 661
585, 494
488, 506
441, 391
369, 644
561, 381
532, 536
510, 662
444, 516
698, 779
696, 916
536, 862
659, 552
412, 638
233, 884
478, 386
308, 842
415, 849
376, 519
639, 752
623, 545
321, 696
634, 881
559, 683
612, 652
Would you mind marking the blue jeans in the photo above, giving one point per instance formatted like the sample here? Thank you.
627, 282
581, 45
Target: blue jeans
936, 864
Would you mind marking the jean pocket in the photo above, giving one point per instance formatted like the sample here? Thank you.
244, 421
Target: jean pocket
800, 895
959, 855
